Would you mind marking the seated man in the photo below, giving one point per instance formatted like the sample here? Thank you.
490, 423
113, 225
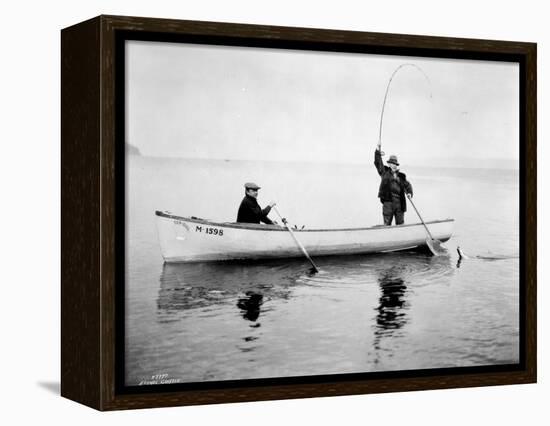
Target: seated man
249, 210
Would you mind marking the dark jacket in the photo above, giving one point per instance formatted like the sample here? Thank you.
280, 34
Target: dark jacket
385, 192
250, 211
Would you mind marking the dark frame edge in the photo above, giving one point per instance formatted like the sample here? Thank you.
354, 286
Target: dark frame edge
80, 208
529, 103
109, 188
319, 390
336, 36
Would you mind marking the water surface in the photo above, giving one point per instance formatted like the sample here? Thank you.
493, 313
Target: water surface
398, 311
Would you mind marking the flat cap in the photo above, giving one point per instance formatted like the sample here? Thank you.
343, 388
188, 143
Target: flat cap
251, 185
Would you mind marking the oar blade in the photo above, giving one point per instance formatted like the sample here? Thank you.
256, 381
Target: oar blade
434, 246
312, 271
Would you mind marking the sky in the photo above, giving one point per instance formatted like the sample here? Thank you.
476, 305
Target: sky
221, 102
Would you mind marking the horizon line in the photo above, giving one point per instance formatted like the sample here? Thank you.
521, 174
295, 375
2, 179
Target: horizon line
356, 163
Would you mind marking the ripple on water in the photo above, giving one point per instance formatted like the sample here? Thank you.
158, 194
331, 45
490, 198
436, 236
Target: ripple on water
360, 270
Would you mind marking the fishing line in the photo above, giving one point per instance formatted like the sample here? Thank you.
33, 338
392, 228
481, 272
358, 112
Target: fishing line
387, 91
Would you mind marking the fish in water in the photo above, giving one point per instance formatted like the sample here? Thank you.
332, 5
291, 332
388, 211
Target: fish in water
462, 255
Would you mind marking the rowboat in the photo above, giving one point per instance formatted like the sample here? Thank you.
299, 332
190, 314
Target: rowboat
192, 239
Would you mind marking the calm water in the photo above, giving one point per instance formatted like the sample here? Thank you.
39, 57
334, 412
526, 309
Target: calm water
222, 321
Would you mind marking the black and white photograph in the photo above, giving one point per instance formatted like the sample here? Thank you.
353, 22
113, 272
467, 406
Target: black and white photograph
294, 213
275, 212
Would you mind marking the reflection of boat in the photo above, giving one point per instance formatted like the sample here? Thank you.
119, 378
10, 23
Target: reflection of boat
189, 286
184, 239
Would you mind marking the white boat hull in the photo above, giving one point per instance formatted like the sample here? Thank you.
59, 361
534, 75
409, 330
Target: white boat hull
185, 239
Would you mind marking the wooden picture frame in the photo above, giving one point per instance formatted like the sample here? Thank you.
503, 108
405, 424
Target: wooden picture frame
92, 162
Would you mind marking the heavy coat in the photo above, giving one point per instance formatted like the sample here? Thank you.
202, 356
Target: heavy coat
251, 212
384, 192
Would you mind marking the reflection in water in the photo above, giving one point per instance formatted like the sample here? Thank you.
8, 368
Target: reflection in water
201, 293
393, 304
250, 308
184, 287
392, 308
390, 311
202, 285
250, 305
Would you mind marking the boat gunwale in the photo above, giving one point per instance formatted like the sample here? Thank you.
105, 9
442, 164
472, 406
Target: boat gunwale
260, 227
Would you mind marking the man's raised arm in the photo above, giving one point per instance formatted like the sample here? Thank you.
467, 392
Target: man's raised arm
378, 163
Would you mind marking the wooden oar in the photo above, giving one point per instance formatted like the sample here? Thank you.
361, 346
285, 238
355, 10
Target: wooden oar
433, 244
314, 266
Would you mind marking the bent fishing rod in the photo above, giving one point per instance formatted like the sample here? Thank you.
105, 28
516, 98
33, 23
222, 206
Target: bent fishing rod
386, 96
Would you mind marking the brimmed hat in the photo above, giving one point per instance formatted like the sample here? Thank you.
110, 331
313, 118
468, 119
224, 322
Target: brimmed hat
393, 160
251, 185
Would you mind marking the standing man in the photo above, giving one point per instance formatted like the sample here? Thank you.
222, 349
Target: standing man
394, 188
249, 210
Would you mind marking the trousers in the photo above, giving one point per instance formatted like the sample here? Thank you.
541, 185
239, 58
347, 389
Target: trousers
391, 209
